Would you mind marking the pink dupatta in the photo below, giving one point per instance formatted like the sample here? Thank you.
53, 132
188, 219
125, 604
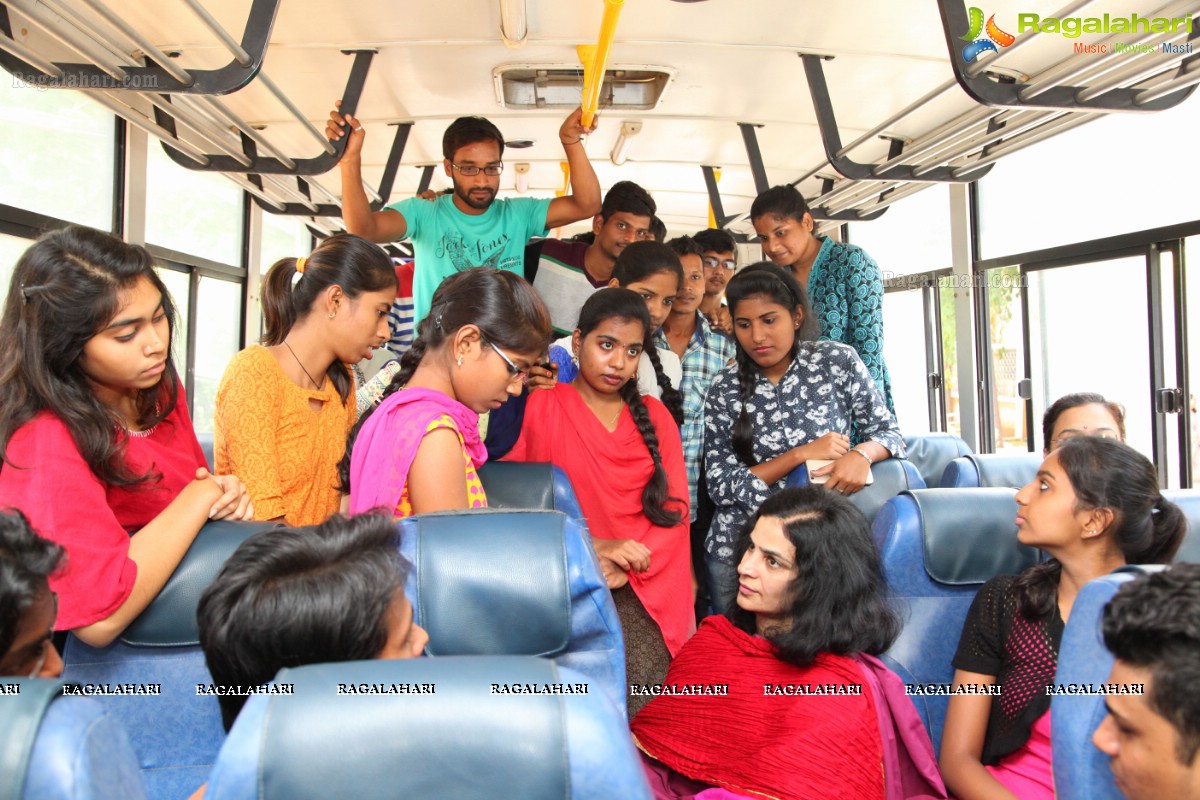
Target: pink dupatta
387, 444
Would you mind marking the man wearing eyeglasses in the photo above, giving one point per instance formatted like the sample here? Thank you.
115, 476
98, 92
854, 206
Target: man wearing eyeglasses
469, 227
719, 260
27, 606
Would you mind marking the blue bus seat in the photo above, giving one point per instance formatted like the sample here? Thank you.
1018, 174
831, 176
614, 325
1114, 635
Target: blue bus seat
1189, 501
62, 748
208, 446
938, 546
1012, 470
892, 476
177, 733
1081, 772
466, 741
930, 453
529, 485
492, 582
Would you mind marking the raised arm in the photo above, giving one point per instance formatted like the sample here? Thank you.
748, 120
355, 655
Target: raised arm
383, 226
584, 200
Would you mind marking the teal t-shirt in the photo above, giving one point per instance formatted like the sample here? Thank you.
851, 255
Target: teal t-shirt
445, 240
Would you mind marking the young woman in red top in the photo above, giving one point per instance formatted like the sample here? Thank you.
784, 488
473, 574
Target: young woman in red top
98, 449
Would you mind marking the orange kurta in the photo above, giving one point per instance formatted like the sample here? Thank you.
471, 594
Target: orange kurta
268, 434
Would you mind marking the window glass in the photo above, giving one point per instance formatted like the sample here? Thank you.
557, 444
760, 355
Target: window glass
1008, 359
11, 249
913, 235
1119, 174
218, 339
904, 352
56, 156
177, 284
199, 213
283, 237
1191, 261
949, 359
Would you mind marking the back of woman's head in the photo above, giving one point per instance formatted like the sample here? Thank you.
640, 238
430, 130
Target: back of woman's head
293, 596
505, 308
65, 289
837, 601
779, 201
625, 305
26, 563
1146, 527
292, 285
640, 260
1075, 400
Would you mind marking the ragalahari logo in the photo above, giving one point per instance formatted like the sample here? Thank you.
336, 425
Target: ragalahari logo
995, 37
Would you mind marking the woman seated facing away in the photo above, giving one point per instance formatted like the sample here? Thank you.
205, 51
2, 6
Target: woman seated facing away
788, 400
97, 446
1094, 506
27, 606
419, 450
623, 455
803, 706
1081, 414
284, 410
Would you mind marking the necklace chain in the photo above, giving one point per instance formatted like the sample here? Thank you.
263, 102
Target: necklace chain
301, 363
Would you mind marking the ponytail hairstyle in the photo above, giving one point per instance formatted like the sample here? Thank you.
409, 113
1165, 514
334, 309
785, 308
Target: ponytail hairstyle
777, 285
625, 305
292, 286
638, 261
1075, 400
505, 308
1105, 473
66, 288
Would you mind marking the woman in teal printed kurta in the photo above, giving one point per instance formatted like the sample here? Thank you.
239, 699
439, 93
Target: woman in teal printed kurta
843, 282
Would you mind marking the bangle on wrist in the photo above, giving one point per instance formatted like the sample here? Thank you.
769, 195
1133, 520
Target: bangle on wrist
577, 140
862, 453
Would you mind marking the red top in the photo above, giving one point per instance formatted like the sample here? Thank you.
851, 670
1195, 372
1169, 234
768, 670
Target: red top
47, 478
778, 730
608, 471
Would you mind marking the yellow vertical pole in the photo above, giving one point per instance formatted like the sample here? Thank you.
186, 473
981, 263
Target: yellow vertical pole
598, 58
712, 217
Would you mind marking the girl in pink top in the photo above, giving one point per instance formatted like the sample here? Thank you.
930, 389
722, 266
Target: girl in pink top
97, 446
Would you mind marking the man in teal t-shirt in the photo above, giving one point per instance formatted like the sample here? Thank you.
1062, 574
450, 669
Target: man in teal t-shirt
470, 227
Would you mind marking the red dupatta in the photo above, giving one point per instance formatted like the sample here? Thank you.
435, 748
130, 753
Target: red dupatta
776, 745
608, 471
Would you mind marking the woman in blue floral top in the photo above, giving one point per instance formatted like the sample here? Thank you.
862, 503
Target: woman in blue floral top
843, 282
788, 399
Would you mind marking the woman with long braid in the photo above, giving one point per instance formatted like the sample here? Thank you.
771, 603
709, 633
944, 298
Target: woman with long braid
623, 455
787, 400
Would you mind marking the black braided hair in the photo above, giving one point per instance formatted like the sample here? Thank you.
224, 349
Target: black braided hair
778, 285
627, 305
671, 398
502, 304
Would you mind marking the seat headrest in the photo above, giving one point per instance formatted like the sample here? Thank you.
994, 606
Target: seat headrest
490, 582
170, 619
930, 453
1011, 470
1188, 501
514, 484
892, 476
970, 535
24, 707
446, 732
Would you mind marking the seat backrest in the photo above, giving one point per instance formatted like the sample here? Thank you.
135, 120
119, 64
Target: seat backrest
938, 546
207, 445
61, 748
464, 727
1189, 501
489, 582
930, 453
529, 485
160, 651
1011, 470
892, 476
1081, 772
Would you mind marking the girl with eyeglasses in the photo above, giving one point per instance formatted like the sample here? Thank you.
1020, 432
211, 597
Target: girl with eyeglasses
98, 448
419, 450
284, 410
843, 283
623, 455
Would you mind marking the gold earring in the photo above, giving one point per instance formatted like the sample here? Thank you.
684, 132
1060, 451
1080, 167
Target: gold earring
332, 314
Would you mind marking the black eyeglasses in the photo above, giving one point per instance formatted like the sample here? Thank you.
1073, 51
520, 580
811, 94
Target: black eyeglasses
470, 171
713, 263
513, 369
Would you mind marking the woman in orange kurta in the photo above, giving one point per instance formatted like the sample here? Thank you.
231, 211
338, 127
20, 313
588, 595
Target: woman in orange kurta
284, 410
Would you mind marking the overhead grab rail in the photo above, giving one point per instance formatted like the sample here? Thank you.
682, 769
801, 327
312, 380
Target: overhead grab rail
108, 74
1049, 89
278, 164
